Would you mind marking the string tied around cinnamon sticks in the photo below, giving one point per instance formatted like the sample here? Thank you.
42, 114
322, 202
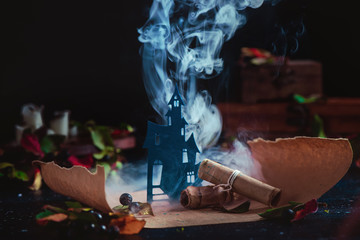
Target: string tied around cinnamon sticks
228, 186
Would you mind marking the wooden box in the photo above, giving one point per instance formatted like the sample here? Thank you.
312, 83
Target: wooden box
270, 82
340, 116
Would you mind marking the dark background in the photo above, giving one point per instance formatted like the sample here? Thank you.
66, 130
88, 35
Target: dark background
83, 56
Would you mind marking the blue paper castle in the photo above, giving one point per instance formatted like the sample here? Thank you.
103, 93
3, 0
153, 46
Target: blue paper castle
171, 158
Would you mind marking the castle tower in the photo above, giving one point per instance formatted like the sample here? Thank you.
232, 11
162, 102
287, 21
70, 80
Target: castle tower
171, 159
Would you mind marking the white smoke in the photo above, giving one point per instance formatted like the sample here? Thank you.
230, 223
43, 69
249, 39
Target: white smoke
182, 44
130, 178
238, 157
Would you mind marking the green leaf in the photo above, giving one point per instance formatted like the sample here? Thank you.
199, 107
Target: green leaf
56, 217
240, 209
107, 168
121, 209
5, 165
301, 99
82, 216
108, 151
46, 213
118, 165
71, 204
55, 209
100, 155
318, 127
130, 128
292, 203
11, 173
51, 143
101, 136
21, 175
277, 212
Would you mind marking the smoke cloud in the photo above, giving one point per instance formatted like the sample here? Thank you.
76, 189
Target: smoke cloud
182, 42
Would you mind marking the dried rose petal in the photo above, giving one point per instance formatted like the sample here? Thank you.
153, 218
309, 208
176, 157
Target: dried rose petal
128, 225
37, 180
86, 161
30, 142
309, 207
57, 217
120, 133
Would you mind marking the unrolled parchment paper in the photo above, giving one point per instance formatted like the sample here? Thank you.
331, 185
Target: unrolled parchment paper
89, 188
244, 185
304, 168
77, 182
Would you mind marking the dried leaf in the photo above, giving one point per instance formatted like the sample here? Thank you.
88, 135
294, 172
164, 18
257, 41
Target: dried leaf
55, 209
82, 216
51, 143
21, 175
309, 207
107, 168
101, 136
240, 209
145, 210
43, 214
71, 204
5, 165
117, 133
13, 173
318, 127
301, 99
30, 142
278, 212
86, 161
121, 210
37, 181
128, 225
56, 217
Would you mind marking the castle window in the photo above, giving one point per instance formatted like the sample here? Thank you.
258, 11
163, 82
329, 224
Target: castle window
157, 170
157, 139
169, 122
182, 131
170, 106
176, 103
185, 158
190, 178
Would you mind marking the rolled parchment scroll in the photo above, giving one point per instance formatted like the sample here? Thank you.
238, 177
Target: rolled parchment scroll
242, 184
204, 196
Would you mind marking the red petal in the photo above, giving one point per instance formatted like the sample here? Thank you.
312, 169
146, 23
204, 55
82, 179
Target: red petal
37, 180
257, 53
119, 133
310, 207
357, 163
30, 142
86, 161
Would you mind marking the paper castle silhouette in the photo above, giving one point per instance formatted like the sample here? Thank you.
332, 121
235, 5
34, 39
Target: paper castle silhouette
171, 158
